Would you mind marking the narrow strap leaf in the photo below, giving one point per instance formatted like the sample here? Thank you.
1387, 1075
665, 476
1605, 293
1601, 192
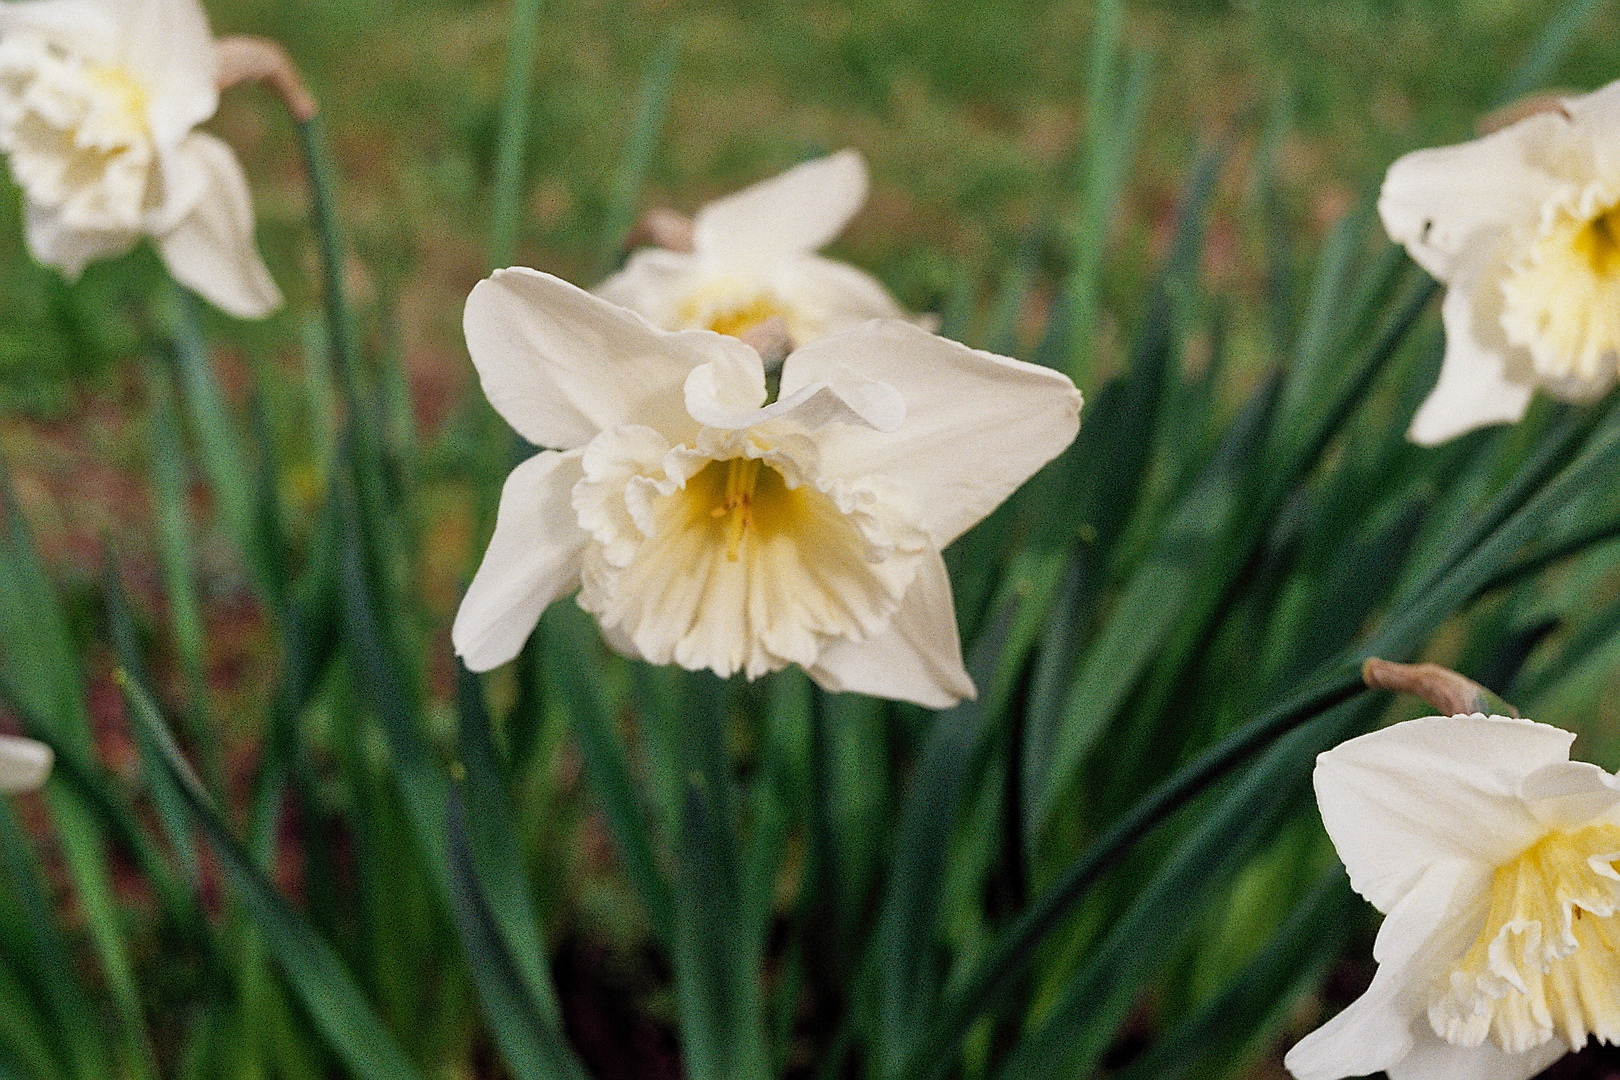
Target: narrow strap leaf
328, 992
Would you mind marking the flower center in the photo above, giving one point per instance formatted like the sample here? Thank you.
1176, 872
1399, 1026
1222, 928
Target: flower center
710, 559
748, 498
1547, 960
76, 133
738, 319
124, 99
1561, 301
728, 305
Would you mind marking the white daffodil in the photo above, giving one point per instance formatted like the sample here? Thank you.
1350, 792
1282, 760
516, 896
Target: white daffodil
705, 527
753, 257
1493, 857
98, 102
24, 763
1523, 227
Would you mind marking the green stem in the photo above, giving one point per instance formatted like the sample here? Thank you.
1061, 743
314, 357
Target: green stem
513, 139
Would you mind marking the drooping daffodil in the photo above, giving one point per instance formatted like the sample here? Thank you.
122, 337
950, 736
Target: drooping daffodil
706, 527
752, 257
1523, 227
99, 101
1493, 857
24, 763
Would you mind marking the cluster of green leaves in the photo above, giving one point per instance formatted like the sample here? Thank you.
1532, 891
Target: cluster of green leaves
1166, 626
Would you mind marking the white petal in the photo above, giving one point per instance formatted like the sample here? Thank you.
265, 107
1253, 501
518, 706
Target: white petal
1566, 795
976, 426
167, 44
1599, 109
651, 284
1379, 1029
717, 396
1432, 1058
834, 294
24, 763
1439, 201
918, 658
787, 215
68, 249
732, 385
211, 250
561, 365
1476, 386
90, 26
1396, 800
532, 559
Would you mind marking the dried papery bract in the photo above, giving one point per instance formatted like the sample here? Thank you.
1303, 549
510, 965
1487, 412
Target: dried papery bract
99, 102
1493, 857
1448, 692
707, 528
247, 58
751, 256
1523, 227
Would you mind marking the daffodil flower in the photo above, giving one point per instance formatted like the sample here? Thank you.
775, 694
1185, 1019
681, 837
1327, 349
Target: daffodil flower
24, 763
98, 102
706, 527
1523, 227
753, 258
1493, 857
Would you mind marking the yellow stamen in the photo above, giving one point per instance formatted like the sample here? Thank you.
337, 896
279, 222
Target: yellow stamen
742, 474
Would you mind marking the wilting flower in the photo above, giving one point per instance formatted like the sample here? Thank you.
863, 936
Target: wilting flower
1494, 859
1523, 226
705, 527
24, 763
98, 102
753, 257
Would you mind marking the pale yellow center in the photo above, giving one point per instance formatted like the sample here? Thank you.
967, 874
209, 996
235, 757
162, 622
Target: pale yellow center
1547, 959
1561, 302
744, 500
121, 88
726, 307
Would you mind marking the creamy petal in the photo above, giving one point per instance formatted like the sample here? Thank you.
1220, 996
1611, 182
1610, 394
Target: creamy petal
24, 763
212, 250
977, 425
717, 393
561, 365
1566, 795
730, 386
651, 284
91, 25
836, 295
747, 587
1380, 1028
1476, 385
71, 250
1396, 800
1599, 109
918, 658
795, 212
1441, 200
1432, 1058
167, 44
532, 559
